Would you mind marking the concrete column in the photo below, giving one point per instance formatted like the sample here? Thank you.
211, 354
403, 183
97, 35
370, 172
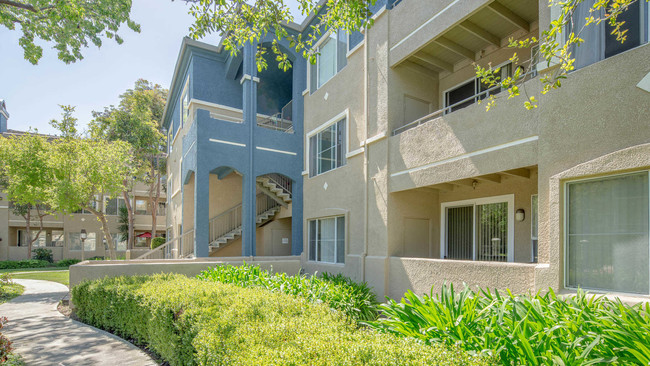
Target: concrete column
249, 89
201, 213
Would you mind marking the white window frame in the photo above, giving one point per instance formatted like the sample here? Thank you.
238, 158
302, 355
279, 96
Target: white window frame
508, 198
565, 237
476, 83
185, 94
345, 114
316, 51
135, 206
345, 239
106, 199
532, 218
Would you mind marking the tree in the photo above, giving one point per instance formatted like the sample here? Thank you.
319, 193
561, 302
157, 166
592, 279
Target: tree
243, 21
556, 47
69, 24
86, 171
137, 120
24, 176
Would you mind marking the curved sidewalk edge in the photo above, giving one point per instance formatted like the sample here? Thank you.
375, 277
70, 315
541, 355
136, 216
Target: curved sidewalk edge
44, 336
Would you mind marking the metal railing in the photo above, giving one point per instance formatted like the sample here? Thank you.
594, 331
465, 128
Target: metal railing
458, 105
280, 181
231, 219
281, 121
179, 247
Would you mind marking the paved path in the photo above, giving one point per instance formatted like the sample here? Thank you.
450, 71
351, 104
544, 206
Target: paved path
43, 336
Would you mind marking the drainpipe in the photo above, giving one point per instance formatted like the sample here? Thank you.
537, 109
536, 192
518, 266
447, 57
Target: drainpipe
366, 164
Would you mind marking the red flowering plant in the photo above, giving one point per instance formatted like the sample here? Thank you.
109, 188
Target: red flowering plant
5, 344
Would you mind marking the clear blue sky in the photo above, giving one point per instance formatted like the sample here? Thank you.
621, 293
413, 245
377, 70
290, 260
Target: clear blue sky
33, 93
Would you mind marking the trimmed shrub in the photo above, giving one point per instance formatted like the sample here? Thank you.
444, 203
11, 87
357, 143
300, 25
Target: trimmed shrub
42, 254
525, 330
157, 241
357, 301
67, 262
27, 263
192, 322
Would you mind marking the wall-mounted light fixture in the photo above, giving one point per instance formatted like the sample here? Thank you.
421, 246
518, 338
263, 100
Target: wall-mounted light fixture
520, 215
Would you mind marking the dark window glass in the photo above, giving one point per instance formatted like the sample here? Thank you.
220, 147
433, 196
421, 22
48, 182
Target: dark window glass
632, 19
461, 93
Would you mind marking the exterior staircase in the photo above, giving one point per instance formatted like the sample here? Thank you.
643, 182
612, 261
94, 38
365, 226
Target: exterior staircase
275, 193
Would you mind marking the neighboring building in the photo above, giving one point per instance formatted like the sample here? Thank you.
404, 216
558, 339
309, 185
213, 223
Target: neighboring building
398, 176
62, 233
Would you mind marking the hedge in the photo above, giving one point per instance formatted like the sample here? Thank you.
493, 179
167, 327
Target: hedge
27, 263
192, 322
355, 300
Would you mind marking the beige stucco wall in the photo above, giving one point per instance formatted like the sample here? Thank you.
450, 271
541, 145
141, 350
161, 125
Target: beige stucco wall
421, 275
99, 269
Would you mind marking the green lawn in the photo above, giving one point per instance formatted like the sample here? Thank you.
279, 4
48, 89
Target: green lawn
32, 269
9, 290
58, 276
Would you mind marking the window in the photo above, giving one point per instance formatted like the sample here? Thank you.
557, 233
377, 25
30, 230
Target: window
185, 102
162, 206
113, 205
479, 229
170, 139
40, 242
141, 207
472, 91
58, 238
330, 58
534, 224
327, 149
327, 240
600, 43
119, 241
607, 241
75, 242
140, 242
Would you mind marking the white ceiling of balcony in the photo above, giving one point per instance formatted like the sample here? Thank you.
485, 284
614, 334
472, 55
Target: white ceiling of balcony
490, 26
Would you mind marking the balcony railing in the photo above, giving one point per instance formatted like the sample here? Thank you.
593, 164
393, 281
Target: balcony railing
281, 121
458, 105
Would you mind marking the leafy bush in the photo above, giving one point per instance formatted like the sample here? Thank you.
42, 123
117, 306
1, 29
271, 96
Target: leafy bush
42, 254
192, 322
525, 330
5, 344
355, 300
67, 262
157, 241
27, 263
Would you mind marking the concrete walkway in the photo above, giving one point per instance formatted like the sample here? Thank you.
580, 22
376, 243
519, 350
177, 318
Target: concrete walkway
43, 336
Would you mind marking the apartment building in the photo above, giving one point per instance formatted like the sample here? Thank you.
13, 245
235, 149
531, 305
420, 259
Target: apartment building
392, 171
61, 234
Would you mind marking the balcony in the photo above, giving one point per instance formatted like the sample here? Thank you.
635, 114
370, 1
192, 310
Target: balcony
462, 31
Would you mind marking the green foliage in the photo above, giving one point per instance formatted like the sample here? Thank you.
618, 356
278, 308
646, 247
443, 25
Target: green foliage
70, 25
242, 22
8, 290
123, 222
356, 301
525, 330
157, 241
42, 254
556, 47
67, 262
191, 322
28, 263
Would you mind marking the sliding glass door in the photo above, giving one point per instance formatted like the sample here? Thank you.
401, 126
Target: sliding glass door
480, 229
607, 234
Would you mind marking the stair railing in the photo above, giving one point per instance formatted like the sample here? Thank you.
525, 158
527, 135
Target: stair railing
231, 219
225, 222
280, 181
179, 247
